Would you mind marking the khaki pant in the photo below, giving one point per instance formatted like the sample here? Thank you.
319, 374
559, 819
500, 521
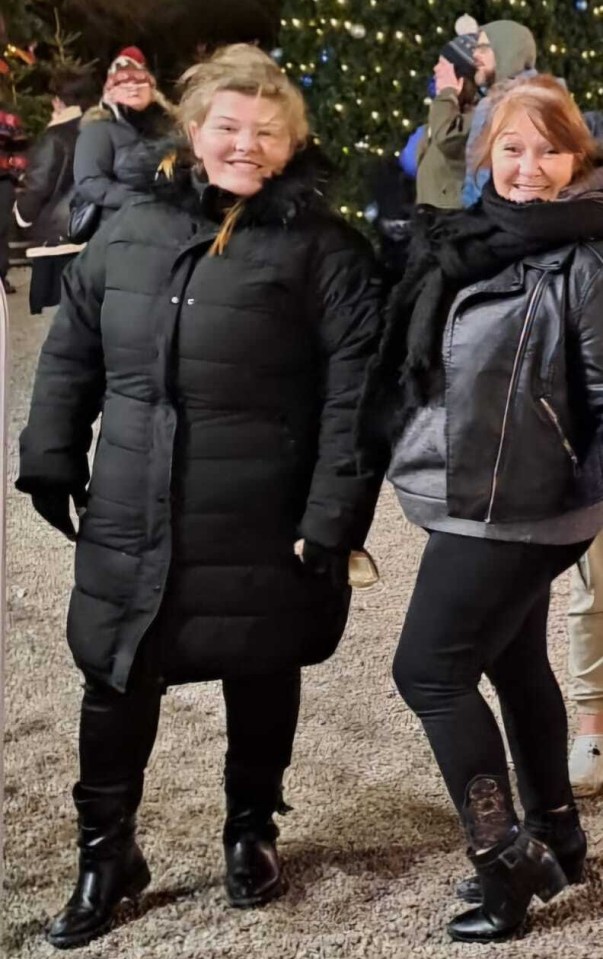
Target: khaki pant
585, 626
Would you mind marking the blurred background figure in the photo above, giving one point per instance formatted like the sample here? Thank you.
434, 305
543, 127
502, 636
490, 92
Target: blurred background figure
585, 626
42, 206
392, 195
441, 167
505, 50
13, 143
132, 112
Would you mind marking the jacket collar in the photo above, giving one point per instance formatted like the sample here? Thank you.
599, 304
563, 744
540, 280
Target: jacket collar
66, 116
512, 279
299, 188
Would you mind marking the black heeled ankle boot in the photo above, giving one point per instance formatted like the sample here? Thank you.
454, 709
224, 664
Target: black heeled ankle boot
510, 877
513, 868
253, 871
111, 866
562, 832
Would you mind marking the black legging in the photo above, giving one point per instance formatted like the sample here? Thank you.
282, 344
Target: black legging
118, 730
480, 606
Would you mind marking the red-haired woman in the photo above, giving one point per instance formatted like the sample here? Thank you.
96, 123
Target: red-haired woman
495, 348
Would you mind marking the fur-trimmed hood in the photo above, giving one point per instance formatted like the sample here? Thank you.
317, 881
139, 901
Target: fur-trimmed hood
109, 111
167, 170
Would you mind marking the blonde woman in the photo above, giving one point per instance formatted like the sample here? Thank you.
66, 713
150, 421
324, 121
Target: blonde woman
495, 351
223, 327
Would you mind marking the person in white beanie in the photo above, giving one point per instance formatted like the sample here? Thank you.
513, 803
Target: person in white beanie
441, 168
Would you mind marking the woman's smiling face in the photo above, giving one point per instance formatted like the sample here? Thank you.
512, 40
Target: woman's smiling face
525, 165
243, 140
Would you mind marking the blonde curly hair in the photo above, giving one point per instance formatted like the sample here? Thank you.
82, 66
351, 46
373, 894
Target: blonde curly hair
242, 68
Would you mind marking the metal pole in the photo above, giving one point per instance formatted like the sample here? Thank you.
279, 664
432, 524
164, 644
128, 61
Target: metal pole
4, 368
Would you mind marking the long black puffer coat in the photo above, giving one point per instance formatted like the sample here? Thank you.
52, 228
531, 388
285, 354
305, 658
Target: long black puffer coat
228, 387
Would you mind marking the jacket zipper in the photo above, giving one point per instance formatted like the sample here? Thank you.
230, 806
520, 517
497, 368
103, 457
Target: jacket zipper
555, 421
525, 332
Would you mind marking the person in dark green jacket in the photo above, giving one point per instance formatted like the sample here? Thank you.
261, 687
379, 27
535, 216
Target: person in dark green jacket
441, 168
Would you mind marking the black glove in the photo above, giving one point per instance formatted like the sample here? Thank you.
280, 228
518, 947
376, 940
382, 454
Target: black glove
326, 562
53, 505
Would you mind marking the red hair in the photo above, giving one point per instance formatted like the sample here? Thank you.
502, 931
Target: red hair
553, 112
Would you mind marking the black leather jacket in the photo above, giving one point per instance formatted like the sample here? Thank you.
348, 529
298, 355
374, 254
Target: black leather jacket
523, 362
48, 185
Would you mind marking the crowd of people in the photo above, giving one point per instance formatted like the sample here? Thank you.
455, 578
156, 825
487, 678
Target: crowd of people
258, 373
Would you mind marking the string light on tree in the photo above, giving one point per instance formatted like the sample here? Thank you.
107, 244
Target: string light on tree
358, 31
364, 66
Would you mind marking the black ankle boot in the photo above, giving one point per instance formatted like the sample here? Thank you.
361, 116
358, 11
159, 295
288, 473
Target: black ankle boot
111, 866
562, 832
513, 868
253, 871
510, 875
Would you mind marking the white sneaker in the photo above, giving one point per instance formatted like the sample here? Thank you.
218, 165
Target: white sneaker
586, 765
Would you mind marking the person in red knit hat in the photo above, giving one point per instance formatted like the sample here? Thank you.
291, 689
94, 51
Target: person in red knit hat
131, 113
129, 80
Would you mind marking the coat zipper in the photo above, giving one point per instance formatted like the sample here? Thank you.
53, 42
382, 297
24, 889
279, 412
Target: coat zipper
525, 332
555, 421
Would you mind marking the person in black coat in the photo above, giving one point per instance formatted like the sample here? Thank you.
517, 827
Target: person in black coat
42, 205
222, 326
13, 145
132, 112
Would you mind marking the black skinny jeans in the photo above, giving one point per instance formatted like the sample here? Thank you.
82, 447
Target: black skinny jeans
118, 730
481, 606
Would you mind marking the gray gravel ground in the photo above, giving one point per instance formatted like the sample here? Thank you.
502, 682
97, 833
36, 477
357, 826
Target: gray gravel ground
372, 849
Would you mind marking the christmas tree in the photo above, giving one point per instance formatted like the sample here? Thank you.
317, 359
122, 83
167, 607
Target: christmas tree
364, 66
87, 34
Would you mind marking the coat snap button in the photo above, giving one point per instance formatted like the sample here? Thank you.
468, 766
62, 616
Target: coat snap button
156, 589
175, 299
190, 301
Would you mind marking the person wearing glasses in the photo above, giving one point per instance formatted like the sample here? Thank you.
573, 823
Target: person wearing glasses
505, 50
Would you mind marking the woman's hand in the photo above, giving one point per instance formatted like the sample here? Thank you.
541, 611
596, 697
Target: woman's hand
445, 76
53, 505
321, 561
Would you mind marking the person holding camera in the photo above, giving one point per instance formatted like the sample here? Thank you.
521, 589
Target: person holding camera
441, 169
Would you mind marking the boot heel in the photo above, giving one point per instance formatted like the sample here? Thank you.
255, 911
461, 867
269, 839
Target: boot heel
573, 867
138, 883
554, 882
